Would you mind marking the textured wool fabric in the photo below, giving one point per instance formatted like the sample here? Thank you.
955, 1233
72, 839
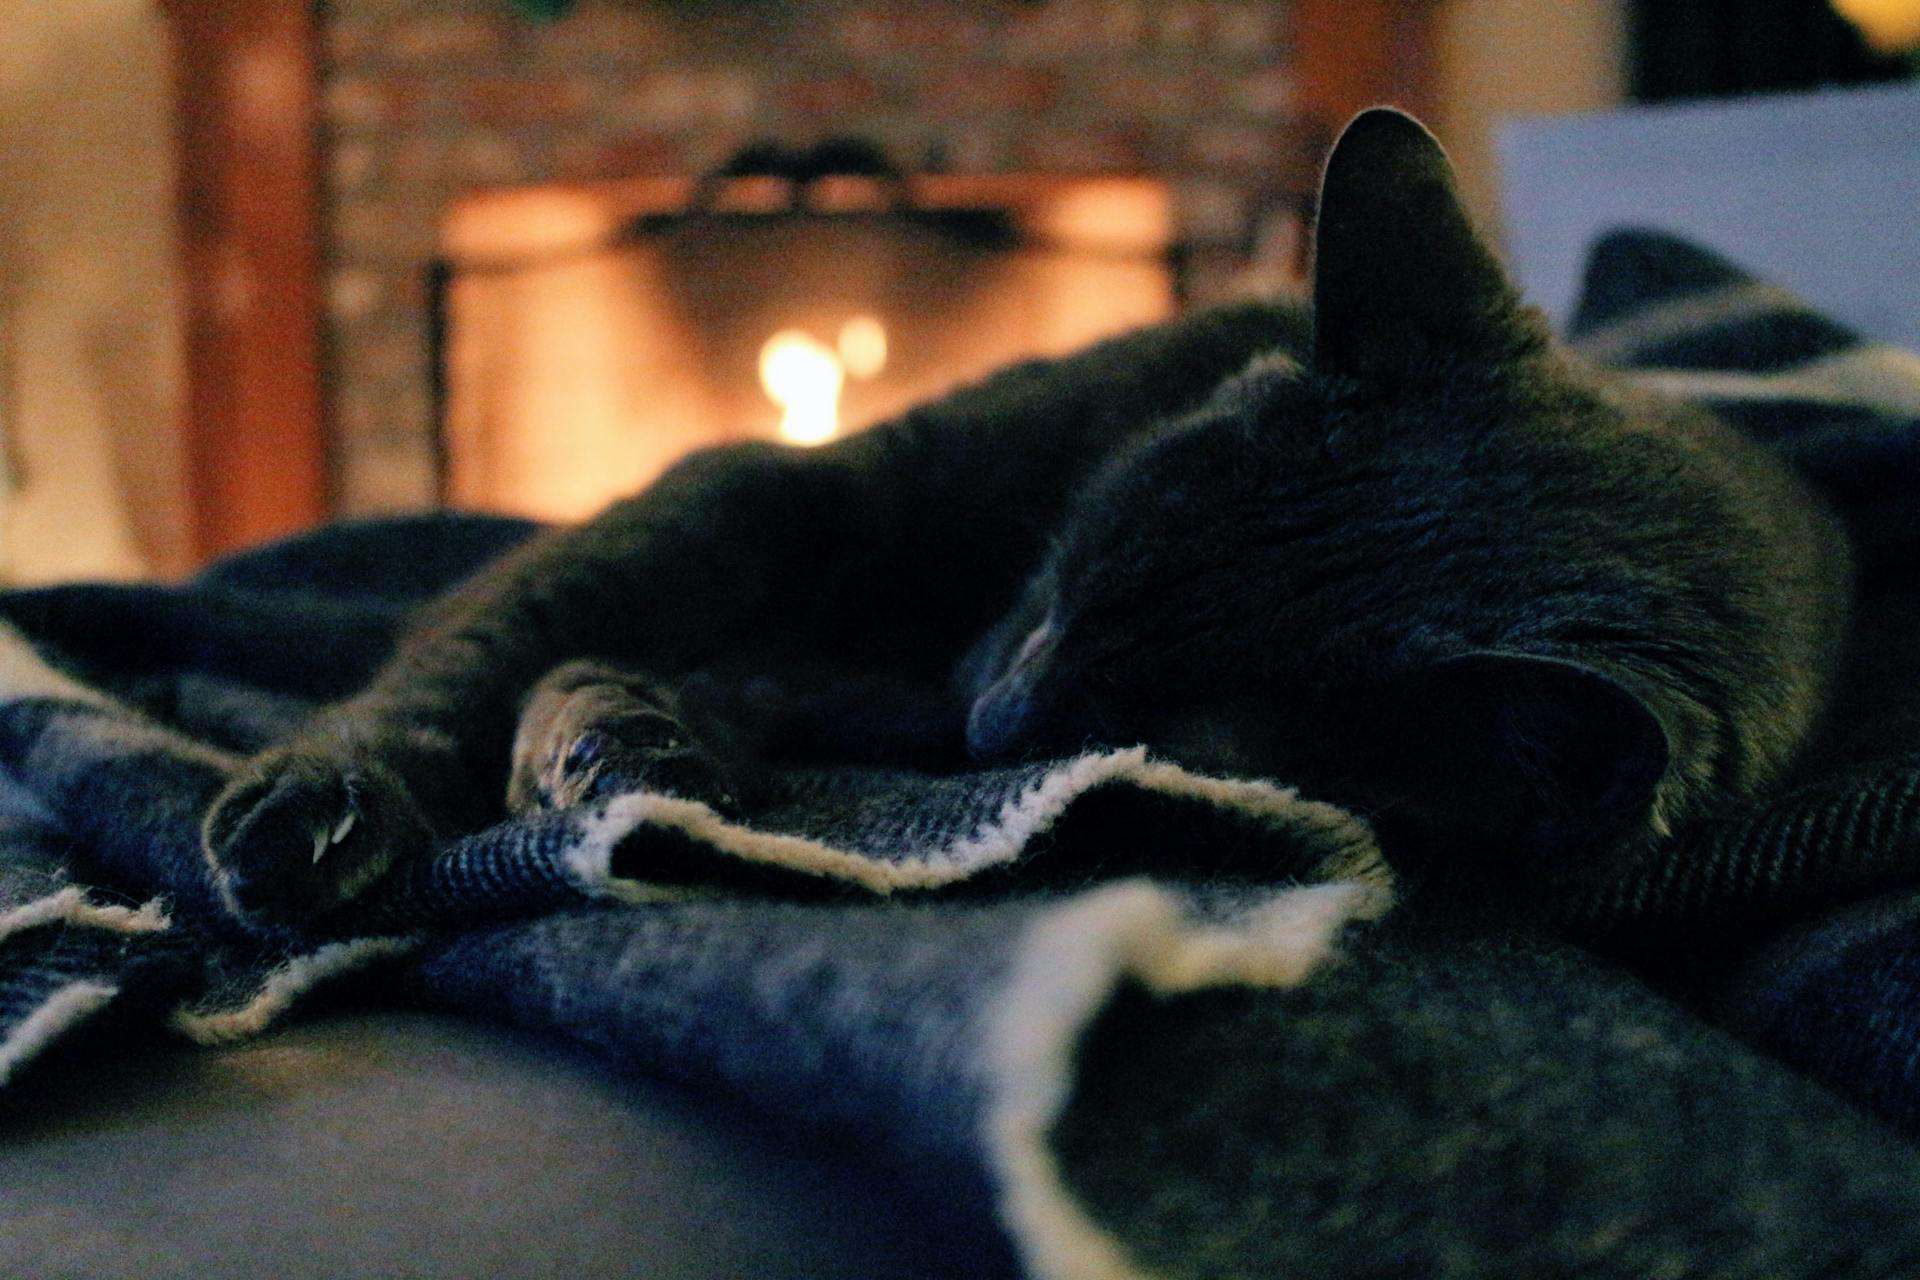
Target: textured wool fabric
665, 933
1062, 1053
113, 796
1834, 993
1424, 1106
1840, 999
1462, 1109
1162, 1023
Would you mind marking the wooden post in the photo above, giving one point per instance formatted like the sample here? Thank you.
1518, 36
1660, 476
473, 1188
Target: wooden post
248, 210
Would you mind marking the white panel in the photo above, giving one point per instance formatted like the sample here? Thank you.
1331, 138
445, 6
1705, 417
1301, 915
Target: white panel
1819, 192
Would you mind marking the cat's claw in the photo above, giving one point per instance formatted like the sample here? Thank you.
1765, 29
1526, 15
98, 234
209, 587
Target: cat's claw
324, 838
298, 834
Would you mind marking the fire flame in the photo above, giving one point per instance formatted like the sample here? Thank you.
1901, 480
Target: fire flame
805, 376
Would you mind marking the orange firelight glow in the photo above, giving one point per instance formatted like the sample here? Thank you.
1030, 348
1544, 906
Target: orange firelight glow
863, 347
1891, 26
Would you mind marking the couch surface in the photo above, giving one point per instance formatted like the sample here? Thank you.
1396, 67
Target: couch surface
418, 1145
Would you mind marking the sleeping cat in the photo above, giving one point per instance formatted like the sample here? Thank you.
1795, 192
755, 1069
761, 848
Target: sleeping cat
1407, 554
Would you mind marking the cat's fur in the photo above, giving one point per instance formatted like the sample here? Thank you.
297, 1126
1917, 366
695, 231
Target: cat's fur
1411, 556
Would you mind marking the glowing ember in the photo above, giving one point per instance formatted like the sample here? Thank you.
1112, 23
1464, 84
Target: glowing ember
803, 376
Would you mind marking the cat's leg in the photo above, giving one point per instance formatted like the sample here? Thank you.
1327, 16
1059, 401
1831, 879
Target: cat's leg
589, 730
699, 562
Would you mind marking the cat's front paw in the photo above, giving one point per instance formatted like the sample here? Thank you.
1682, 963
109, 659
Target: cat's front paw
300, 832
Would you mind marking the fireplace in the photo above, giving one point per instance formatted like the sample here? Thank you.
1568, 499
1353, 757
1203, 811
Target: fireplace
439, 118
329, 152
590, 334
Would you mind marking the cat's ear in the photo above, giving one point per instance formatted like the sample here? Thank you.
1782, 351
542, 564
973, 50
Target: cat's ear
1551, 755
1399, 274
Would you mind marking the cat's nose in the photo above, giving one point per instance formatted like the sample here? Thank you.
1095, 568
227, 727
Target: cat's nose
1031, 707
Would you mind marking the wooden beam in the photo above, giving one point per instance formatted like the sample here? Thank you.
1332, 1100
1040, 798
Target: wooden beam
248, 213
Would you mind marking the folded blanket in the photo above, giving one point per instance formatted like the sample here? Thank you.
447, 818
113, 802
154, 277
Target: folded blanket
1165, 1077
1157, 1020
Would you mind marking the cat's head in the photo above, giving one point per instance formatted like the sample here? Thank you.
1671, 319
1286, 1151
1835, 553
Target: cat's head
1400, 569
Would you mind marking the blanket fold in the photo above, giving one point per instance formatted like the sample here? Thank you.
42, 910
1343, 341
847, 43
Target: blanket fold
1144, 1083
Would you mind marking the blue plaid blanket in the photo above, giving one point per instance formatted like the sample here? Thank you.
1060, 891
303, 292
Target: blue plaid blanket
1157, 1023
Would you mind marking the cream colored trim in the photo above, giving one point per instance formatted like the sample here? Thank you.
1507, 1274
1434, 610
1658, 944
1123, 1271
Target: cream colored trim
71, 906
1068, 967
285, 985
1618, 342
1355, 856
64, 1009
1873, 377
1019, 821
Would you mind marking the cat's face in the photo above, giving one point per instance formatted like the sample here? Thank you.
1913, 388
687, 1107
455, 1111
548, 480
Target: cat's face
1343, 570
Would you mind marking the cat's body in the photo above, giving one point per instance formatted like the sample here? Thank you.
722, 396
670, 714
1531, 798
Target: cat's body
1408, 555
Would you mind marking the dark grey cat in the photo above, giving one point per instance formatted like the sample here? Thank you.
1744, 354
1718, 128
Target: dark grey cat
1410, 555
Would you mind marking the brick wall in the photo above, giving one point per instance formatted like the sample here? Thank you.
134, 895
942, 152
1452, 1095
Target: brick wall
425, 99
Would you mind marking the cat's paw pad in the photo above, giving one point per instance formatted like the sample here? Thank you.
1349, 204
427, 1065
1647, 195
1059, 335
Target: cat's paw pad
296, 835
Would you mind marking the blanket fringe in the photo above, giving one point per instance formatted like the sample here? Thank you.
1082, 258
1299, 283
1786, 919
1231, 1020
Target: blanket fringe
72, 906
286, 986
1352, 853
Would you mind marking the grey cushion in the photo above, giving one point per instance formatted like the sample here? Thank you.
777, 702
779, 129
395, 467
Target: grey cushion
425, 1146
